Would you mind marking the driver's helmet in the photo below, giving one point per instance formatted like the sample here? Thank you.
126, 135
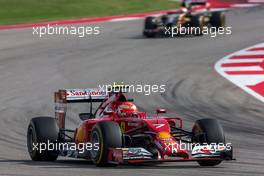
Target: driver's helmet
208, 6
126, 109
186, 10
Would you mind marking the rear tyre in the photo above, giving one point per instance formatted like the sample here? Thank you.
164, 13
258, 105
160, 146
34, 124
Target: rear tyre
108, 134
218, 19
208, 131
42, 131
197, 22
149, 26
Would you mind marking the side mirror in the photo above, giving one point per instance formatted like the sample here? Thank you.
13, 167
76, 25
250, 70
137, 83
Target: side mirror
161, 111
130, 99
85, 116
108, 112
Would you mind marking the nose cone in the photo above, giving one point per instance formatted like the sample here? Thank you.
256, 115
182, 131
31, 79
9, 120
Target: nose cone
169, 146
168, 143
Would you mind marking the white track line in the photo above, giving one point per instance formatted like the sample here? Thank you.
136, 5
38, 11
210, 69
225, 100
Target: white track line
125, 19
239, 5
256, 1
244, 5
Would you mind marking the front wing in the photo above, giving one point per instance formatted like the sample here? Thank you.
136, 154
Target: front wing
140, 155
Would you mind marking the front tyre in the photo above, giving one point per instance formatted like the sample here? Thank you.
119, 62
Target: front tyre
108, 134
42, 131
208, 131
149, 27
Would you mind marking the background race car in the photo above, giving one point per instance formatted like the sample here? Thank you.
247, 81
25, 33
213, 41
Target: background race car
187, 20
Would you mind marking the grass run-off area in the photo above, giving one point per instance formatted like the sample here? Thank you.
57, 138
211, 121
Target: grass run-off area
28, 11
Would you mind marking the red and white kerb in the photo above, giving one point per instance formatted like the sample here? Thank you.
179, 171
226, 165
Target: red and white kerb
245, 68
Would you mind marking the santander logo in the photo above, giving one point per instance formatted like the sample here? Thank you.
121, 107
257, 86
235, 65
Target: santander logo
85, 92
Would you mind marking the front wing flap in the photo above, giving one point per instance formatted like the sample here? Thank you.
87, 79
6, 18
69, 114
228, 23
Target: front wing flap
141, 155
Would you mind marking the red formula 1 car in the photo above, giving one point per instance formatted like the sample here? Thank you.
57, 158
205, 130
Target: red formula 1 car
117, 133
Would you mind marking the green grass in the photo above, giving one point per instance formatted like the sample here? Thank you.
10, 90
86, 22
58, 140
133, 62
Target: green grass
28, 11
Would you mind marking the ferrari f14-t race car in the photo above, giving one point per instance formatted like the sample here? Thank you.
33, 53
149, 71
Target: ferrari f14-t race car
186, 21
118, 133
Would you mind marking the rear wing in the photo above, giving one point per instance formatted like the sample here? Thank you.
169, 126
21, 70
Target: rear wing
90, 95
62, 97
194, 2
85, 95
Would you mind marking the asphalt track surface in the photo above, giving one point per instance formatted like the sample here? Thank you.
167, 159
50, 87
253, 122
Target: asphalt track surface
31, 69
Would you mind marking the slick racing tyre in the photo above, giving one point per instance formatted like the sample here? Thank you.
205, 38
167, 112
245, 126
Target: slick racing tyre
108, 134
198, 23
208, 131
150, 25
42, 131
218, 19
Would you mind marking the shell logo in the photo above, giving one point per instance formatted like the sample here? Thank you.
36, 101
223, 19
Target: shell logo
164, 135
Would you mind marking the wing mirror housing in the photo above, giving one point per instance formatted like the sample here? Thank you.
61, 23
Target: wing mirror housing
130, 99
161, 111
85, 116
